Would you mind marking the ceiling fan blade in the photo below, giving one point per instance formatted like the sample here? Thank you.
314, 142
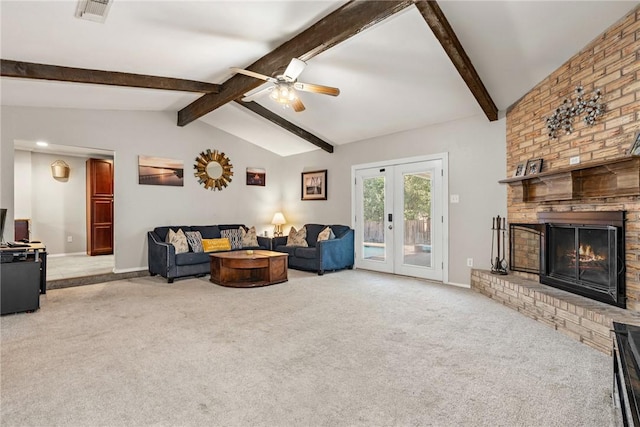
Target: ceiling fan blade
258, 94
294, 69
297, 105
253, 74
325, 90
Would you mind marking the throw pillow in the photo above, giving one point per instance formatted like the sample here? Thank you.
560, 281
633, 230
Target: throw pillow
194, 238
297, 238
178, 240
216, 245
235, 237
249, 238
326, 234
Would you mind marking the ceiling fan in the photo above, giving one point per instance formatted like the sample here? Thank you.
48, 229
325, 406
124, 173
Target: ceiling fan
286, 84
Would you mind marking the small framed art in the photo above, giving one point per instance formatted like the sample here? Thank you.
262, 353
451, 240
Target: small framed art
256, 176
534, 167
314, 185
520, 170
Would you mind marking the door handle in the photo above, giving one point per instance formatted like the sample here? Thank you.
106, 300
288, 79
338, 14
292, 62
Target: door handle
390, 227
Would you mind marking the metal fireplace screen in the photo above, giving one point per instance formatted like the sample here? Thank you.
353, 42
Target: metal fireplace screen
524, 247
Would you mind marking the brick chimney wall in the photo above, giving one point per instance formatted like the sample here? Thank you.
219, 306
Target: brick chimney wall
610, 63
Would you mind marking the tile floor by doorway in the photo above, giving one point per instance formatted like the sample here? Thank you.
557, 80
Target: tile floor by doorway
65, 267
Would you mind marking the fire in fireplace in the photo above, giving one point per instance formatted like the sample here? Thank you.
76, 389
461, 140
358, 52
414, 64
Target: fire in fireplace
583, 253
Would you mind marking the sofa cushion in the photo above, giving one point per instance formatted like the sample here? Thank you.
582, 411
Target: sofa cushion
291, 250
207, 231
163, 231
297, 238
231, 226
178, 240
249, 238
190, 258
216, 245
194, 239
235, 237
312, 232
308, 253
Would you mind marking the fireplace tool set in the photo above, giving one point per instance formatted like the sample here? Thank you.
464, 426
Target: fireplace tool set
498, 242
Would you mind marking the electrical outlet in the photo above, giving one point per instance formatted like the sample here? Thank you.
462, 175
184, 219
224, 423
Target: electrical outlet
69, 239
455, 198
469, 262
575, 160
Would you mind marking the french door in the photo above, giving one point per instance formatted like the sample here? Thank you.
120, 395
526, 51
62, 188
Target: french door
399, 218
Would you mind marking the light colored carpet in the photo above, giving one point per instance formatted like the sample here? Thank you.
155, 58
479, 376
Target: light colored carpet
344, 349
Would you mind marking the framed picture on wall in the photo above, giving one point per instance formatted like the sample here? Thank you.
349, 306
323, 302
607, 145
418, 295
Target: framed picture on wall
160, 171
256, 176
314, 185
534, 167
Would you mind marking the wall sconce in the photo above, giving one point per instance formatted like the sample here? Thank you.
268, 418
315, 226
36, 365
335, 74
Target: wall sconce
60, 170
278, 220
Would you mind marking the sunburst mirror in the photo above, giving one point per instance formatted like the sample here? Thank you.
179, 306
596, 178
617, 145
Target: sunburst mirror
213, 170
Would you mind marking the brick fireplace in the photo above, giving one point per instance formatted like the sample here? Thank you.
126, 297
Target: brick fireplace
605, 180
610, 63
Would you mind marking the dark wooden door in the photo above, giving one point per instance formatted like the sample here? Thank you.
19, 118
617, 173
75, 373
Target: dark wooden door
99, 207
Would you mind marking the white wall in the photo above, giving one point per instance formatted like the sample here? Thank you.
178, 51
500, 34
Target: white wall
58, 206
22, 178
139, 208
477, 160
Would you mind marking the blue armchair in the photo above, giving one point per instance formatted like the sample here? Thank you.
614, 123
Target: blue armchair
326, 255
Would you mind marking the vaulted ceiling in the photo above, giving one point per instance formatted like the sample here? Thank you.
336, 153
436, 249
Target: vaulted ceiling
393, 75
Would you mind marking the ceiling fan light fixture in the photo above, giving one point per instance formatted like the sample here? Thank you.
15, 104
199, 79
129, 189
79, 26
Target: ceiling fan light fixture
283, 94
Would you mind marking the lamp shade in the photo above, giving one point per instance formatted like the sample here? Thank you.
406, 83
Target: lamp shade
278, 219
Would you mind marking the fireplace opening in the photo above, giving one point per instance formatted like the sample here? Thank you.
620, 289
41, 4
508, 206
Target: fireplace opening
583, 253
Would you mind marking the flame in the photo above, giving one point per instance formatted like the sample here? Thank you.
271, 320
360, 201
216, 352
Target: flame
587, 254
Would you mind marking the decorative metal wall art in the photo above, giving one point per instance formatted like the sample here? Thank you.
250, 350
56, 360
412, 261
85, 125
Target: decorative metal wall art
213, 170
562, 118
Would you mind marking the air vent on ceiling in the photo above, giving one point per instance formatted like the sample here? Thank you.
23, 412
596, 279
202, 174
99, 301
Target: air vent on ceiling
93, 10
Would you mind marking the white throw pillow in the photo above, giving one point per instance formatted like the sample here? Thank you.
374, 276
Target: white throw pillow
297, 238
326, 234
178, 240
249, 238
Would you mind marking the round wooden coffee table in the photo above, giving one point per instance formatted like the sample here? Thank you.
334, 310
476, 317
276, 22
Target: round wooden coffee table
247, 269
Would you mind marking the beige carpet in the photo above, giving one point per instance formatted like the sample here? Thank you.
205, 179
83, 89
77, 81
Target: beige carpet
344, 349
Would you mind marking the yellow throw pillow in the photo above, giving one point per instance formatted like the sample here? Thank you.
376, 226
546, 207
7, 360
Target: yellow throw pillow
216, 245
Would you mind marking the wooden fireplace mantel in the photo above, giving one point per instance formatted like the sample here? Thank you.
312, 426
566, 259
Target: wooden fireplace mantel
608, 178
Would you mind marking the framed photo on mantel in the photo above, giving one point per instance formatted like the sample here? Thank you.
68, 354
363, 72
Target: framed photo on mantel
534, 167
314, 185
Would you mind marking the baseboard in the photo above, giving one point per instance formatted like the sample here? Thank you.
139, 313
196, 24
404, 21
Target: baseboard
129, 270
460, 285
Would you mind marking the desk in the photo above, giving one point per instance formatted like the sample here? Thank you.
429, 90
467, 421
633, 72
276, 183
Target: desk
23, 274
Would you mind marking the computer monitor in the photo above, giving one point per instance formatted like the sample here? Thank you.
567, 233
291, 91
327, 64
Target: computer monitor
3, 218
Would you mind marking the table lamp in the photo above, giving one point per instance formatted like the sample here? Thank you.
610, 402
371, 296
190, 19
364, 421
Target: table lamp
278, 220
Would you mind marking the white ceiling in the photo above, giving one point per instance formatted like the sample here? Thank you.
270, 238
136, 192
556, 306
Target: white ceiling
393, 77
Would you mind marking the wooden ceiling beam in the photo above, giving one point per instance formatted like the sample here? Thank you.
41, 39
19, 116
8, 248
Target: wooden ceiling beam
438, 23
338, 26
29, 70
287, 125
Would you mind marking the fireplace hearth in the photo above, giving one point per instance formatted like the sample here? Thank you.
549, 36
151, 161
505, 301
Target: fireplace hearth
583, 253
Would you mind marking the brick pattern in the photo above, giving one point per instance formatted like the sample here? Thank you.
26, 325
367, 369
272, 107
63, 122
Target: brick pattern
582, 319
611, 63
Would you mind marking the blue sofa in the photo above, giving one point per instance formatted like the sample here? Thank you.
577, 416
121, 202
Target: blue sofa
164, 261
326, 255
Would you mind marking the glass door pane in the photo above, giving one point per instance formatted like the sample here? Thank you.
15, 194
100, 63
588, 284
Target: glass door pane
373, 242
417, 219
